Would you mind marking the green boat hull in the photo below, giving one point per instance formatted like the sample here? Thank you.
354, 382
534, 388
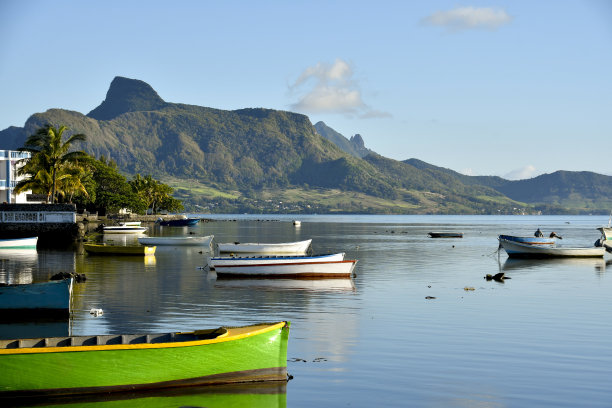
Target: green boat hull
258, 357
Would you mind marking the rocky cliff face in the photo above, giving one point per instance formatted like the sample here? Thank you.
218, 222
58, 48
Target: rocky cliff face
127, 95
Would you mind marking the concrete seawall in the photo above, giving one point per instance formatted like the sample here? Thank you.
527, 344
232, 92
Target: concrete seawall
53, 224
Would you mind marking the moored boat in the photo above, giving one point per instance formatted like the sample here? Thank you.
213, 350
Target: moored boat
529, 240
298, 247
606, 238
186, 240
445, 234
50, 298
292, 267
29, 242
102, 249
131, 223
123, 229
184, 222
520, 250
114, 363
215, 261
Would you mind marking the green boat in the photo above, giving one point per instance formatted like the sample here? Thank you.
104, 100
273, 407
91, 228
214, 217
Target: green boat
117, 363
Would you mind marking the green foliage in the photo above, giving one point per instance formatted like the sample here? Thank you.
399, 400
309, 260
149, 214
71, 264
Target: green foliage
112, 191
154, 194
52, 161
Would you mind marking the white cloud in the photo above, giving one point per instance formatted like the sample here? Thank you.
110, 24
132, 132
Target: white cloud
463, 18
325, 88
523, 173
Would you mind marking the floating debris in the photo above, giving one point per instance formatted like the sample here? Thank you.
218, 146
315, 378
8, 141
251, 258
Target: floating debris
96, 312
295, 360
498, 277
467, 288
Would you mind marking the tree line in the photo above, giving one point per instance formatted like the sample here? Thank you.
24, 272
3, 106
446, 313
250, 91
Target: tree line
68, 176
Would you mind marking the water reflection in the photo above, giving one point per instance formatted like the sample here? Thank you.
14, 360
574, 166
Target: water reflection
121, 239
513, 264
313, 285
17, 265
264, 395
38, 327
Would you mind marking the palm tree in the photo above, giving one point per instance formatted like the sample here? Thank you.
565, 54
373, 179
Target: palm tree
51, 154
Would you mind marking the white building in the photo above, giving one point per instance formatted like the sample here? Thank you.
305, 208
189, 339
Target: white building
8, 176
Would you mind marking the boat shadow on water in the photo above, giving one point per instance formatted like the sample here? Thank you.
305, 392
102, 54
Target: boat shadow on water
306, 285
264, 395
525, 264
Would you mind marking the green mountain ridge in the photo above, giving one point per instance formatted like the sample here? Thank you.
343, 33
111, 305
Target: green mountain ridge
254, 153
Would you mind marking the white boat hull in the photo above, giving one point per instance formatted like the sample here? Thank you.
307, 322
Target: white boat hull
299, 247
124, 229
187, 240
330, 269
19, 242
518, 250
530, 240
214, 262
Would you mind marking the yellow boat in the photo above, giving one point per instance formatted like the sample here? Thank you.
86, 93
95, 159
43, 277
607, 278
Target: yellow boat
103, 249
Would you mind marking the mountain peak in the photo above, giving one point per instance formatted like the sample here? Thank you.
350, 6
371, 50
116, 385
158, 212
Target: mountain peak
357, 140
127, 95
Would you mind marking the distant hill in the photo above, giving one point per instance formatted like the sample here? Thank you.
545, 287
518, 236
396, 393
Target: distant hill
584, 191
254, 153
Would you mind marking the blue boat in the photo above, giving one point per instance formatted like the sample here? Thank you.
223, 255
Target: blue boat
530, 240
185, 222
50, 298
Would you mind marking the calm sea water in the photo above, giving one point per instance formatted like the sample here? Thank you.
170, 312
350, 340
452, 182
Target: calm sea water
417, 326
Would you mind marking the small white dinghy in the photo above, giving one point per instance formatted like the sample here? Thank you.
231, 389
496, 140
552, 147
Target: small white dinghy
321, 266
186, 240
20, 243
521, 250
299, 247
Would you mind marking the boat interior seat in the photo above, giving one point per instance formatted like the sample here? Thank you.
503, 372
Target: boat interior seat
112, 339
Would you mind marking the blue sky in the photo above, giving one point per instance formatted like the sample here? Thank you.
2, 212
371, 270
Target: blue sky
509, 88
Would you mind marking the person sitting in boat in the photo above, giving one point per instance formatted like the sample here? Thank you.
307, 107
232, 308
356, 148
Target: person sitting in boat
538, 233
554, 235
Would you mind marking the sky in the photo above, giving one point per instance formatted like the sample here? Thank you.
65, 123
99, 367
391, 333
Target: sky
513, 88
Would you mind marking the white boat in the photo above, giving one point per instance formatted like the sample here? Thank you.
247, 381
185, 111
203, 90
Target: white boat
521, 250
299, 247
530, 240
19, 242
183, 240
606, 237
130, 223
123, 229
290, 267
219, 261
